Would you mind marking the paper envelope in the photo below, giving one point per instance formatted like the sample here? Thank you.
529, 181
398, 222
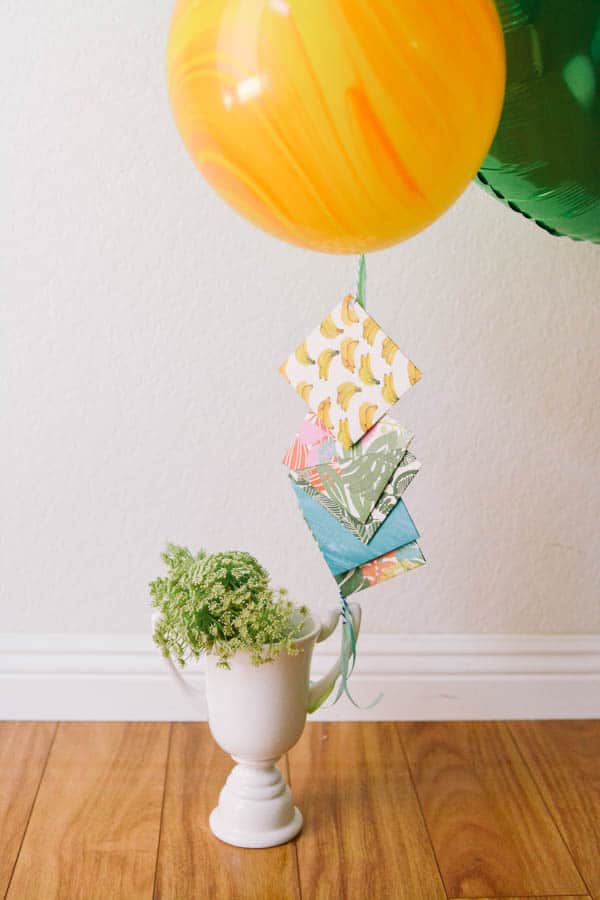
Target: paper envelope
349, 371
341, 549
312, 445
401, 478
402, 559
353, 480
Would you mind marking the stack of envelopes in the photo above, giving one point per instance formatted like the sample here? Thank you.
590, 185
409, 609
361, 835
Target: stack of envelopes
350, 462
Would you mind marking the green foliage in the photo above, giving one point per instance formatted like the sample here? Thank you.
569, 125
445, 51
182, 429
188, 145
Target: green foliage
220, 603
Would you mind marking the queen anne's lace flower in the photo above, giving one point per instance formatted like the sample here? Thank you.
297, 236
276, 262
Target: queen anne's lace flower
220, 603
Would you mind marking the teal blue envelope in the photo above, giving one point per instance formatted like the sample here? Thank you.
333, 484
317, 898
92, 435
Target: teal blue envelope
341, 550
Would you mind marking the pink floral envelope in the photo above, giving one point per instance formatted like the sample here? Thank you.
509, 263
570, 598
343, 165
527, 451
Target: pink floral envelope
312, 445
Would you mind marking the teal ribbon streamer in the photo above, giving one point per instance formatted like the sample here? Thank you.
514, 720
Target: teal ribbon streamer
348, 659
361, 286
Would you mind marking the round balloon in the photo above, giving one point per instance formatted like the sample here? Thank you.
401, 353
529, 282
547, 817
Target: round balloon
545, 159
338, 125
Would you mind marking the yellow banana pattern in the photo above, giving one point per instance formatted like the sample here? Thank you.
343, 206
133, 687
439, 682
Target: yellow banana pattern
348, 311
413, 373
366, 415
370, 329
349, 371
343, 434
303, 356
388, 391
345, 392
389, 348
323, 412
328, 328
283, 371
348, 348
365, 373
324, 360
303, 389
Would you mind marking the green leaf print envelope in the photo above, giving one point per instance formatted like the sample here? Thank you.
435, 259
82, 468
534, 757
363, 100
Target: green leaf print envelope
353, 480
401, 478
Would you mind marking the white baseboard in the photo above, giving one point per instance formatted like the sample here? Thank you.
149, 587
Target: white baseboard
122, 677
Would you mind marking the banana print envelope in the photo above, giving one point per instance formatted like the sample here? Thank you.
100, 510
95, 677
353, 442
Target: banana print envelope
341, 550
349, 372
392, 492
353, 479
401, 560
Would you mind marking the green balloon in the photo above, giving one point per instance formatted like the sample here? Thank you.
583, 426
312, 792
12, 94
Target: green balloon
544, 161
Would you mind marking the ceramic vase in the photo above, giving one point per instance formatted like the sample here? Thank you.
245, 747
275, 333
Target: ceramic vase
256, 714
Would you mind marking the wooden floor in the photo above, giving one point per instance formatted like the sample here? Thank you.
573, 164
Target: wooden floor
392, 811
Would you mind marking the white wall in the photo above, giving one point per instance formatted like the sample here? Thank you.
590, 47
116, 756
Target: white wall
143, 323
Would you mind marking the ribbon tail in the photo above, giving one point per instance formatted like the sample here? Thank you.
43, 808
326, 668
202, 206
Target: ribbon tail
348, 660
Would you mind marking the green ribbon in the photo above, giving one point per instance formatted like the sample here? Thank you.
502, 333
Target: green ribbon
361, 286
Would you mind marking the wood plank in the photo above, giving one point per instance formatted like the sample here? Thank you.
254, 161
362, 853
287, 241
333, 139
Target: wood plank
192, 863
491, 831
24, 748
95, 824
364, 835
564, 759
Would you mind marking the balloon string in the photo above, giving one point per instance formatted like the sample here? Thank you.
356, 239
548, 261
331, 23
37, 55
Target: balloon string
361, 286
348, 655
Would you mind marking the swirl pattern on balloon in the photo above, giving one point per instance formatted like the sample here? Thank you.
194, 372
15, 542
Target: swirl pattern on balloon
343, 126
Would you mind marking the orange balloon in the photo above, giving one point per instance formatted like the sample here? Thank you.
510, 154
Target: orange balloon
339, 125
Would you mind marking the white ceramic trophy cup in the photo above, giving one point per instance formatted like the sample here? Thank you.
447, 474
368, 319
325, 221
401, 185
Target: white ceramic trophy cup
257, 713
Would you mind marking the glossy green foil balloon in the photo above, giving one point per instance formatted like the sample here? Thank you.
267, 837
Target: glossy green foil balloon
545, 159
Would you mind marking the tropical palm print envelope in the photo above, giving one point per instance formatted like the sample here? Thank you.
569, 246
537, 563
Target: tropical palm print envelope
401, 560
341, 550
349, 372
392, 492
351, 481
